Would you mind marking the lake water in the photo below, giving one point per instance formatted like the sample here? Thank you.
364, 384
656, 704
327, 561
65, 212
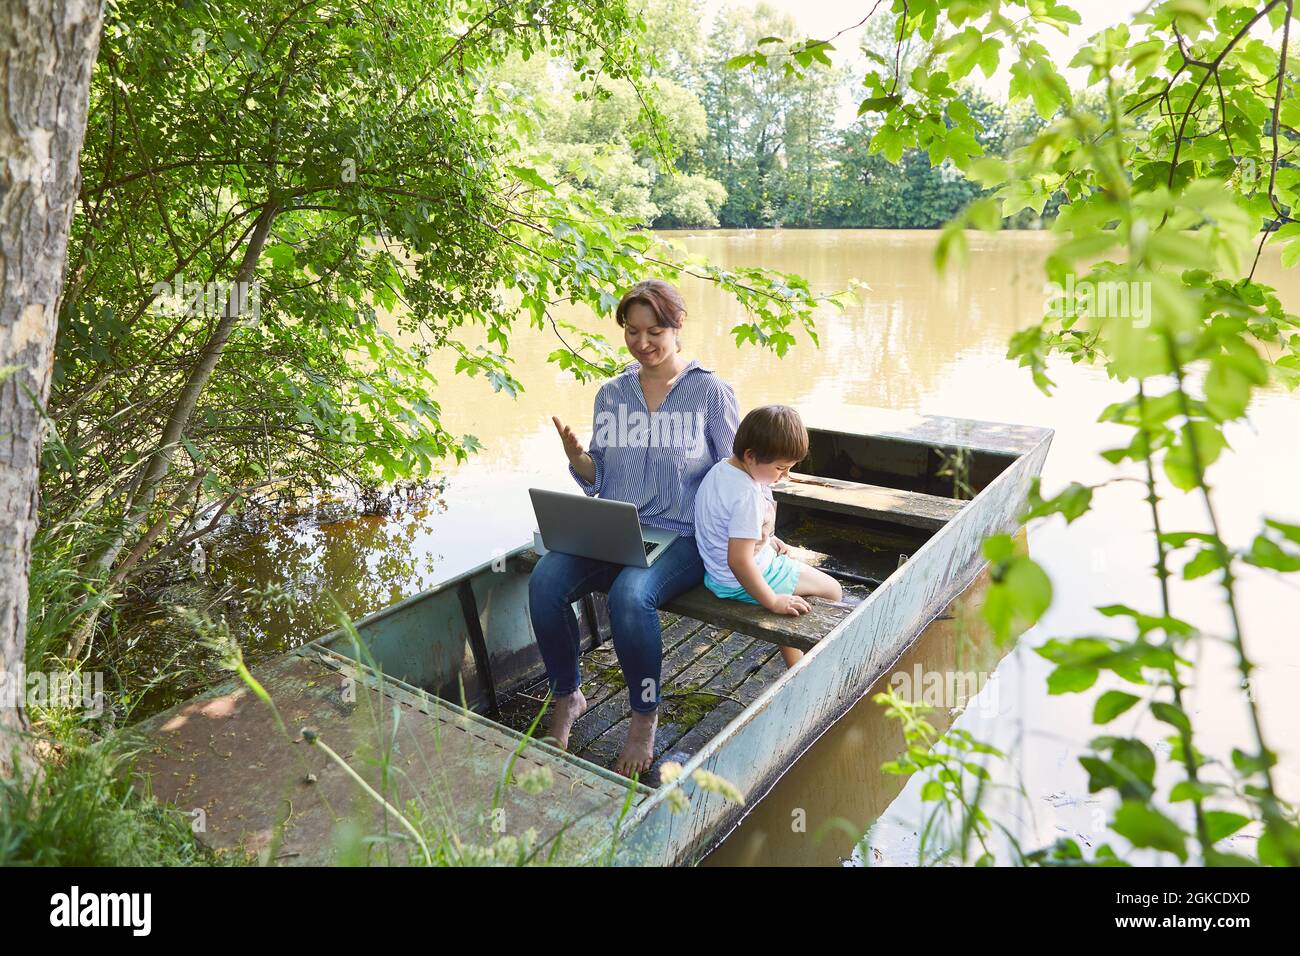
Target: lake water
919, 343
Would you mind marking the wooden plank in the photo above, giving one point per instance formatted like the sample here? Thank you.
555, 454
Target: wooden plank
867, 501
884, 424
602, 678
701, 604
599, 718
604, 749
752, 682
803, 631
677, 722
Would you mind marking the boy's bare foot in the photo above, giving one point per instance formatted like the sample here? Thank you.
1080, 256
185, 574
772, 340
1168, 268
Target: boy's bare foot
791, 656
564, 711
639, 748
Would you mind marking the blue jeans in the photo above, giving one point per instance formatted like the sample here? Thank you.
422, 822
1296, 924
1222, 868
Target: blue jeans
634, 597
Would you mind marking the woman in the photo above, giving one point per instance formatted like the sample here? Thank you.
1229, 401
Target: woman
659, 426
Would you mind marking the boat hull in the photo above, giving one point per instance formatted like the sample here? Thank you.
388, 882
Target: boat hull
451, 657
760, 744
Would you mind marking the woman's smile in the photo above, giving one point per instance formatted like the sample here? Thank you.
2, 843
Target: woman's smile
650, 339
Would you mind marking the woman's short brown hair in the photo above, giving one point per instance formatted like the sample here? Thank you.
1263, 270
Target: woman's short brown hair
659, 297
772, 433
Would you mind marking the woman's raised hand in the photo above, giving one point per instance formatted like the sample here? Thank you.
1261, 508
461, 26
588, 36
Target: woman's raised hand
572, 446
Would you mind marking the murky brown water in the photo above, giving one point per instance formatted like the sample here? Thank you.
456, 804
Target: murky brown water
919, 343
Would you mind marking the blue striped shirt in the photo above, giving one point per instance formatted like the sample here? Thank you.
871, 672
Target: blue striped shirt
656, 460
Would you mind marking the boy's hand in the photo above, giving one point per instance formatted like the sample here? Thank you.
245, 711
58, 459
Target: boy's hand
790, 604
780, 546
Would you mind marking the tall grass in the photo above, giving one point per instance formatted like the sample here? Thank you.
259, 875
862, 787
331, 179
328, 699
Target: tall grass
58, 592
78, 806
81, 810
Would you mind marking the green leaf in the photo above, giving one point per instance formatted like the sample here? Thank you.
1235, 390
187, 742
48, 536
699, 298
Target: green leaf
989, 171
1280, 843
1251, 763
890, 143
1181, 465
1072, 503
532, 177
1289, 531
1291, 254
1266, 553
1221, 824
1206, 561
281, 255
1173, 715
879, 104
1187, 790
1019, 593
999, 547
1144, 827
1111, 704
1230, 379
1071, 679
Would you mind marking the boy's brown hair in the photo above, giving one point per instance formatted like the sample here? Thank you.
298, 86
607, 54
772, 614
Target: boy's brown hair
772, 433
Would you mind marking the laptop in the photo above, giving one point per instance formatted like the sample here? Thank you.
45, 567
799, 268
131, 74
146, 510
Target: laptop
597, 528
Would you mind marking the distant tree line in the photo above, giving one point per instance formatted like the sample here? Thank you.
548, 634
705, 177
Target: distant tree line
757, 147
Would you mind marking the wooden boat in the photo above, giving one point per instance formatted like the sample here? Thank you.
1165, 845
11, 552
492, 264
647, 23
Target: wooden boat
431, 698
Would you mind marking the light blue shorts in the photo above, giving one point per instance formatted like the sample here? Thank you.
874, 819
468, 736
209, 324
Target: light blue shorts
781, 575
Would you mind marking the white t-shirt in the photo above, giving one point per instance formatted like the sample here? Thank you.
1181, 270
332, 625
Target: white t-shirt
730, 504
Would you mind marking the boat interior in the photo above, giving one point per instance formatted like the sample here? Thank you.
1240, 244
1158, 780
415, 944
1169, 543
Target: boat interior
857, 507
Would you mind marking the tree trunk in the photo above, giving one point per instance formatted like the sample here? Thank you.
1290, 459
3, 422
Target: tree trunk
47, 53
160, 462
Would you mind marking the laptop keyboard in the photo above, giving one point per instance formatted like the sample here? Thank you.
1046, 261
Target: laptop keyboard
650, 546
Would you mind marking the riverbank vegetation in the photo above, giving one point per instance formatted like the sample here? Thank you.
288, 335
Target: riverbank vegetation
258, 185
220, 339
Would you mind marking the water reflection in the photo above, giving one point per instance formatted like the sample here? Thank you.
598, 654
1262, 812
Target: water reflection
817, 813
364, 562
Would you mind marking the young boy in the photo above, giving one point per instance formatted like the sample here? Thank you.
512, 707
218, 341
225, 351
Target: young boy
735, 516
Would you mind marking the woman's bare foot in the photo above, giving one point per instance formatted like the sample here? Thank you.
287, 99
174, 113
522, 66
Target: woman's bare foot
564, 711
639, 748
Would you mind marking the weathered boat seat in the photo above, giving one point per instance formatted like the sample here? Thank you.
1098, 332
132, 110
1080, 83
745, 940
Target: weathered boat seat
802, 631
910, 508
